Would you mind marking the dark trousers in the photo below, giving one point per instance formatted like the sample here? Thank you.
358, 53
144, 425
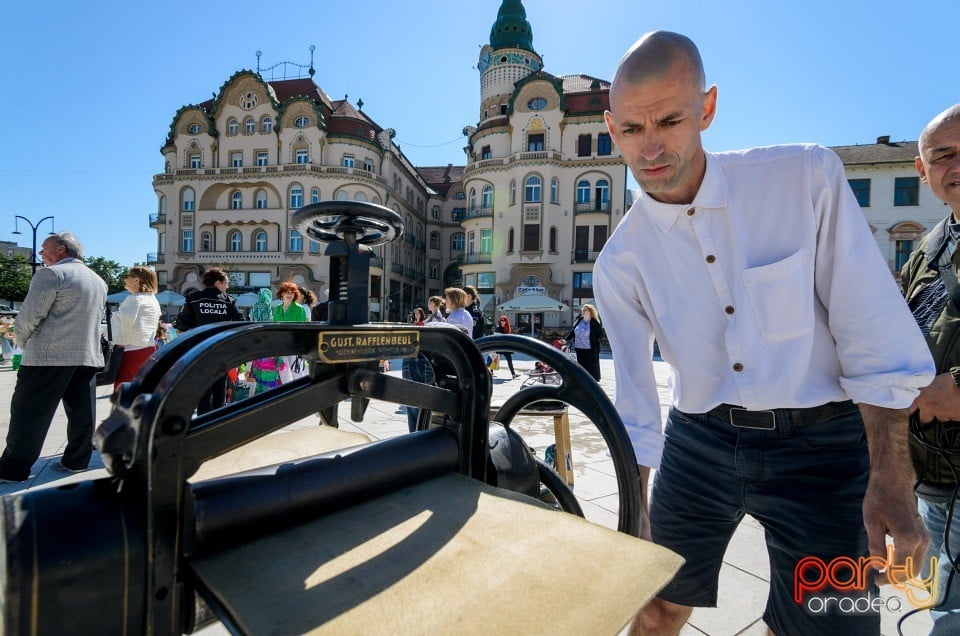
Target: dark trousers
589, 360
420, 370
214, 398
35, 398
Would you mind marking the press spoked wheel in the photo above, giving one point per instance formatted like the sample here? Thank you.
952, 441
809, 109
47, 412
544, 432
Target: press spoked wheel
579, 390
352, 221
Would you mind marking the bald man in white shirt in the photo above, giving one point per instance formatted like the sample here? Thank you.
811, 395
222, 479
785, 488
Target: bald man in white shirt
793, 356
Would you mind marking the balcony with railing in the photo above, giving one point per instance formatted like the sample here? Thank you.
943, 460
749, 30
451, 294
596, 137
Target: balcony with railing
376, 261
583, 256
592, 207
478, 212
478, 258
275, 170
158, 219
236, 257
396, 268
155, 258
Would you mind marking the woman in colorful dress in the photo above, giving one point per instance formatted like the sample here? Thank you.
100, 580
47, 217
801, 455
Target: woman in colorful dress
290, 310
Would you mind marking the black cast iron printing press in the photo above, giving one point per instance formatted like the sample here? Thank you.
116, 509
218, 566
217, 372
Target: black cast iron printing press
437, 531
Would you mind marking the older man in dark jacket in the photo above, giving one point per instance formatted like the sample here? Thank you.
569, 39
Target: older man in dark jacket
58, 329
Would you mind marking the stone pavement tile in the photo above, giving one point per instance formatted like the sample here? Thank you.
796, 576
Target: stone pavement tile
741, 599
747, 551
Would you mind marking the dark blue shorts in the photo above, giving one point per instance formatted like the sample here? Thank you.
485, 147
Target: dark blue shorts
803, 482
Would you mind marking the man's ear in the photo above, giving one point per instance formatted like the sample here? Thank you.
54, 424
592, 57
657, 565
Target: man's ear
709, 107
918, 164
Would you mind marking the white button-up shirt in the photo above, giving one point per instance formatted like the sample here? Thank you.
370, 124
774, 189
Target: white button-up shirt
768, 291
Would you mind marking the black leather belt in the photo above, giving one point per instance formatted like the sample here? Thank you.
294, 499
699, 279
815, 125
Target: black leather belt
767, 420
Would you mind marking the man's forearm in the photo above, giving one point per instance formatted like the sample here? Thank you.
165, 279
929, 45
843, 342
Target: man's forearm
887, 439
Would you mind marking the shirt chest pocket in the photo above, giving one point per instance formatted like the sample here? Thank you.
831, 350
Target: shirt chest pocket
780, 296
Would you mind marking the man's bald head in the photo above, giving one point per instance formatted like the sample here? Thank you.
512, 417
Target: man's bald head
949, 115
653, 55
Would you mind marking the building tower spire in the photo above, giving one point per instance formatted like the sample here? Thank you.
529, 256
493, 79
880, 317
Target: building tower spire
511, 30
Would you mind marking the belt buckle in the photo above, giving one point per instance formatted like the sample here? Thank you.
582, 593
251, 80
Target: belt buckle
755, 420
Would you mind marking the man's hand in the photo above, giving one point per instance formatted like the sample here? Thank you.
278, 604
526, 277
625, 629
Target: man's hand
889, 506
939, 401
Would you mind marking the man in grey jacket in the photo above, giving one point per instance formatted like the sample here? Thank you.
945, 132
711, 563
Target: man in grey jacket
58, 329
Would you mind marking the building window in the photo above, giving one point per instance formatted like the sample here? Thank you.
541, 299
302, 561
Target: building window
473, 200
510, 241
535, 142
434, 240
314, 247
360, 196
456, 242
485, 153
486, 198
232, 126
296, 197
236, 159
513, 191
236, 241
301, 122
343, 195
471, 243
603, 144
249, 125
236, 200
188, 203
195, 161
266, 125
906, 191
348, 161
531, 237
434, 270
904, 248
296, 241
314, 195
603, 193
261, 199
303, 156
553, 238
187, 241
531, 191
261, 157
554, 190
861, 190
583, 280
368, 165
583, 145
583, 192
260, 241
206, 242
486, 241
503, 109
163, 205
195, 129
435, 213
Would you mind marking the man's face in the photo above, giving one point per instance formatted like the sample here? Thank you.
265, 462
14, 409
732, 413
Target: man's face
939, 163
656, 123
51, 252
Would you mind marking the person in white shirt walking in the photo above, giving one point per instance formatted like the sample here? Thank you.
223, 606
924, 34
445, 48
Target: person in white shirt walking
757, 274
135, 322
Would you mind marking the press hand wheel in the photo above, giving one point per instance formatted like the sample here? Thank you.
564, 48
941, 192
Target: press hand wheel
579, 390
352, 221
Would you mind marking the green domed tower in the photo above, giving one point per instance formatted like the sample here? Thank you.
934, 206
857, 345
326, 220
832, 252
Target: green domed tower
511, 30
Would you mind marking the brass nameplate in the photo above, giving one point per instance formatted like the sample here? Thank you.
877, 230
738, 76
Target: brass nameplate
362, 346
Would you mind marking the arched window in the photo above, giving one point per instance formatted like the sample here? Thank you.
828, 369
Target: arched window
249, 125
343, 195
360, 196
232, 126
473, 199
434, 240
510, 241
531, 191
236, 200
260, 241
376, 200
554, 190
486, 199
457, 242
301, 122
513, 191
603, 191
553, 238
188, 201
314, 195
162, 208
261, 199
296, 196
583, 192
296, 241
236, 241
266, 125
206, 242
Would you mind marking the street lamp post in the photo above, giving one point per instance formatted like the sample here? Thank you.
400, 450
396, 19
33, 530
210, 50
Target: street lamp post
33, 255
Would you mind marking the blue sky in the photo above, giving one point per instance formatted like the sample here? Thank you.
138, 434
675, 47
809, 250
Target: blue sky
91, 88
